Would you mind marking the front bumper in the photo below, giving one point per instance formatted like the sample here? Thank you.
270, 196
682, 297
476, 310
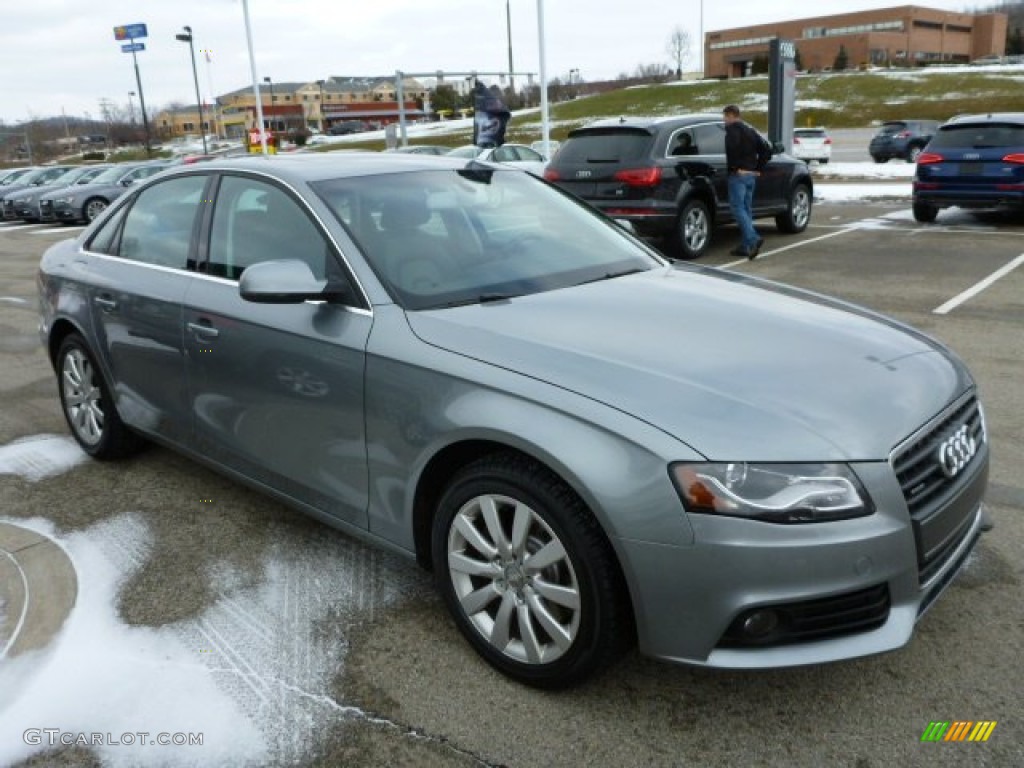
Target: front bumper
688, 600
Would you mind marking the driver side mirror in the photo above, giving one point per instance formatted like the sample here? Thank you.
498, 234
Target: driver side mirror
282, 281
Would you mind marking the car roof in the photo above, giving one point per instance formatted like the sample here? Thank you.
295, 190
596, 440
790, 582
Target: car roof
649, 123
991, 117
319, 167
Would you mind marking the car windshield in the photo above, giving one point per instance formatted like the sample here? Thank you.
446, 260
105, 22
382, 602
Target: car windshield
14, 176
978, 136
90, 175
601, 146
111, 175
444, 238
468, 151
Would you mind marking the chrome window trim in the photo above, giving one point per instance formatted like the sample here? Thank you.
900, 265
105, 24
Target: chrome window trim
123, 201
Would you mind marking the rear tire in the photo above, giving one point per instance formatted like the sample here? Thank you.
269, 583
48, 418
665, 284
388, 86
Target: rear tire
879, 159
87, 405
798, 211
692, 235
925, 213
527, 573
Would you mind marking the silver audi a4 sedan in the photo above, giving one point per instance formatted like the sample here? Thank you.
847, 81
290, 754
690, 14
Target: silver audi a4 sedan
588, 446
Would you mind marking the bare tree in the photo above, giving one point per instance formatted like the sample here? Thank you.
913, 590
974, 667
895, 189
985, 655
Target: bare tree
678, 48
651, 71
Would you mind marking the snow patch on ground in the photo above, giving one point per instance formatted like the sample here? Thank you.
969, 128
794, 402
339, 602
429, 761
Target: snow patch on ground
891, 170
41, 456
847, 192
252, 674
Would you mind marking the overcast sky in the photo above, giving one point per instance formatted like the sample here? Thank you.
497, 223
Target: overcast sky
62, 55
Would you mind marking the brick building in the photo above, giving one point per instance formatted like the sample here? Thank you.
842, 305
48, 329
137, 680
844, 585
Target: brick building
906, 35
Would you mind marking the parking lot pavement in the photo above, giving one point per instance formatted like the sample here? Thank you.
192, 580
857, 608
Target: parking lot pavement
310, 648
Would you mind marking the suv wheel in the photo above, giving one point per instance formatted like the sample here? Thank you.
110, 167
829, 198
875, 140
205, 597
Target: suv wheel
692, 235
925, 213
798, 211
880, 159
913, 153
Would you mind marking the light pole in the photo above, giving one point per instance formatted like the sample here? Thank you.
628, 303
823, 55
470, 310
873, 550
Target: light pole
323, 122
508, 27
186, 37
131, 106
270, 112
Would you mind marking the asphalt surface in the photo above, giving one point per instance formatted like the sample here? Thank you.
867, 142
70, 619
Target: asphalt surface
384, 677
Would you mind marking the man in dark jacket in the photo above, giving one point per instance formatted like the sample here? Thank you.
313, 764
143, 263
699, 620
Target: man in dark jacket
746, 157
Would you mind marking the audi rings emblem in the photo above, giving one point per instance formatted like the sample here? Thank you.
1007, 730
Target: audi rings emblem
956, 451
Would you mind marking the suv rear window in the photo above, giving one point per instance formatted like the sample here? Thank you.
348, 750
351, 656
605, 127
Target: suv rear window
892, 128
810, 133
979, 136
605, 146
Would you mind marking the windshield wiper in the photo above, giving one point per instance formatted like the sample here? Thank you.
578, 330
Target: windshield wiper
613, 275
483, 298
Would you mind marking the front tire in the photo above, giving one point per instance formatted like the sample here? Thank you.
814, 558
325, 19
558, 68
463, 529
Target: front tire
93, 208
924, 213
87, 405
798, 211
692, 235
528, 574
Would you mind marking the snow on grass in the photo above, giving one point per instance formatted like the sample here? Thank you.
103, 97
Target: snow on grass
842, 192
890, 170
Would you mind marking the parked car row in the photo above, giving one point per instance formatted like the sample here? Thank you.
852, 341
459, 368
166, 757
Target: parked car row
68, 193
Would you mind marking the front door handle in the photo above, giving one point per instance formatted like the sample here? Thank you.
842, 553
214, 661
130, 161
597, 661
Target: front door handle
105, 303
204, 330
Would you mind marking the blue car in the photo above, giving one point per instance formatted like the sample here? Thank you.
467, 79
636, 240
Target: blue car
973, 161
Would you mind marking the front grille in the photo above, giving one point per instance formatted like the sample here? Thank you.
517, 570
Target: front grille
45, 206
813, 620
941, 506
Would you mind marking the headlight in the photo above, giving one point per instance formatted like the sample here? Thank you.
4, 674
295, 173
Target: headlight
773, 493
66, 200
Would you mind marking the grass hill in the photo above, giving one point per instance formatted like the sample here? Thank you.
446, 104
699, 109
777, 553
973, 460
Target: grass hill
834, 100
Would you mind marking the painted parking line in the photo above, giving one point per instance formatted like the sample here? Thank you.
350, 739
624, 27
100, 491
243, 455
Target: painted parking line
16, 227
852, 228
58, 231
978, 287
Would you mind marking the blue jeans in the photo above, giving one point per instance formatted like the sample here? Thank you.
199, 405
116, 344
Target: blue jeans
741, 203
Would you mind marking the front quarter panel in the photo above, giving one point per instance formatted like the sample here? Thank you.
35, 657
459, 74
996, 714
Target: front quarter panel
421, 400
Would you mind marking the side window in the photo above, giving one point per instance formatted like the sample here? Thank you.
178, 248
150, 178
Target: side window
158, 226
710, 139
254, 221
682, 144
105, 240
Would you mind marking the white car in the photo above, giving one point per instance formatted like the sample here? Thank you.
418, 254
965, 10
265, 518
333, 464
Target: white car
519, 155
812, 144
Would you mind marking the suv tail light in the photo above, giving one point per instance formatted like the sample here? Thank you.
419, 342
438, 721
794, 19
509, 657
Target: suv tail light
1016, 157
927, 158
639, 177
551, 174
795, 141
828, 140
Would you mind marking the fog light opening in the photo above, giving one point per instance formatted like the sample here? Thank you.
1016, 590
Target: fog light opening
760, 623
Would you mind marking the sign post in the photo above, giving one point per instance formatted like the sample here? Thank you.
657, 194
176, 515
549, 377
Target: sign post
131, 32
781, 92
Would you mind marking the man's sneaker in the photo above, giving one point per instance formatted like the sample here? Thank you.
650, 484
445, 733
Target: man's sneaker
757, 248
740, 251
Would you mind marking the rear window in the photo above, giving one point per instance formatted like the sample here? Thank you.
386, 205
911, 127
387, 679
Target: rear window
979, 136
888, 128
809, 133
613, 146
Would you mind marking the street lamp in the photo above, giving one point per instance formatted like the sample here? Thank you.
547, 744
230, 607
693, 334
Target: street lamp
186, 37
131, 106
270, 121
322, 121
508, 27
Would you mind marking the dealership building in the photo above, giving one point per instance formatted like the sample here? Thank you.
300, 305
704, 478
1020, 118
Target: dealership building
907, 35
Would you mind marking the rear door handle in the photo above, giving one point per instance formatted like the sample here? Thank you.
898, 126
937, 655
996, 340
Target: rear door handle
106, 303
204, 330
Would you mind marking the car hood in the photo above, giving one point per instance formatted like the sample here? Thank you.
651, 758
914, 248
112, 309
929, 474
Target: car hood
738, 369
